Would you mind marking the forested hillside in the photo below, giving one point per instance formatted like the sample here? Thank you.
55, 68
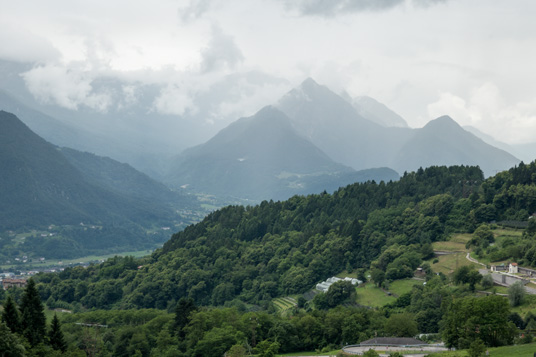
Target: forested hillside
275, 248
244, 257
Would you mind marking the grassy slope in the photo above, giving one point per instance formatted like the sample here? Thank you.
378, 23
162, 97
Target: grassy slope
369, 294
506, 351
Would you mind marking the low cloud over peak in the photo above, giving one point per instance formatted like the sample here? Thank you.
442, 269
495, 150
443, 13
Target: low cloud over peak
54, 84
221, 52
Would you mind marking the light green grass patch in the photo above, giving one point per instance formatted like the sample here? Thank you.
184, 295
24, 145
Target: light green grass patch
529, 304
461, 238
448, 263
400, 287
449, 246
507, 232
369, 294
505, 351
497, 289
310, 353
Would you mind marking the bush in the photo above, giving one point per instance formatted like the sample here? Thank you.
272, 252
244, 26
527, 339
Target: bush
516, 293
477, 348
527, 338
487, 281
371, 353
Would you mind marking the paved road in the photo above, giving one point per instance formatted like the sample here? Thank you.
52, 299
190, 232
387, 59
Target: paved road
473, 260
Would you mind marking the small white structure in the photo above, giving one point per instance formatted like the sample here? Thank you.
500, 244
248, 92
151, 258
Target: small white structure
512, 268
324, 286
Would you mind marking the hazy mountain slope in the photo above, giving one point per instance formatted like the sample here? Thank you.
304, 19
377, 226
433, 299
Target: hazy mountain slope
370, 109
526, 152
259, 157
336, 127
38, 186
142, 124
333, 124
50, 129
94, 138
92, 132
490, 140
124, 179
443, 142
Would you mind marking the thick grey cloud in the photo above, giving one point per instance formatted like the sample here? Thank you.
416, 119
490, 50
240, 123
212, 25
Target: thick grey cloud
330, 8
20, 45
335, 7
419, 57
221, 53
194, 10
68, 88
427, 3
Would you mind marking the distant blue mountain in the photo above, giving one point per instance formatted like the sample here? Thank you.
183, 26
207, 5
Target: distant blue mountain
263, 157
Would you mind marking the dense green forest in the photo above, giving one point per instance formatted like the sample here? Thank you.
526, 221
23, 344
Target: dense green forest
225, 271
279, 248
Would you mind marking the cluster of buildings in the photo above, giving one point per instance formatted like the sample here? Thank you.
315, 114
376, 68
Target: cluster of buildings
513, 268
324, 286
13, 283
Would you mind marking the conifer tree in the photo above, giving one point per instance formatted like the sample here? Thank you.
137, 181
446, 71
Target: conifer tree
184, 308
11, 315
55, 335
10, 343
33, 316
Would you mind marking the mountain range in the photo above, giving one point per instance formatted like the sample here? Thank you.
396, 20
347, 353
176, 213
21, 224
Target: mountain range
42, 185
374, 111
311, 140
314, 140
262, 157
335, 125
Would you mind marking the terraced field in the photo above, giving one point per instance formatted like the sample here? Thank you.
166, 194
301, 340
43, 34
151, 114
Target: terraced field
284, 303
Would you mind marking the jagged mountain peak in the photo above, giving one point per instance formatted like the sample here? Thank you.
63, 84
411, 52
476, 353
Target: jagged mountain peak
308, 91
444, 142
443, 122
370, 109
262, 157
309, 83
270, 113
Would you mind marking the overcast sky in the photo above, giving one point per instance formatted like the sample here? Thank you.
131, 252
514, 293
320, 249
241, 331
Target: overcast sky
473, 60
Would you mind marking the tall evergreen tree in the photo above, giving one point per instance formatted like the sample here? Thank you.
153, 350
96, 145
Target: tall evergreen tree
55, 335
11, 315
184, 308
10, 344
33, 316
